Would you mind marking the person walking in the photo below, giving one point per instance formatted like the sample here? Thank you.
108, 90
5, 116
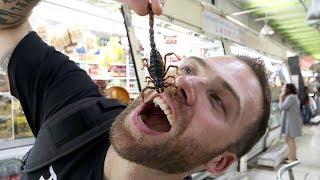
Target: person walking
291, 118
305, 106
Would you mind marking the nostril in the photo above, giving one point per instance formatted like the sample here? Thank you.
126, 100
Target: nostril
184, 93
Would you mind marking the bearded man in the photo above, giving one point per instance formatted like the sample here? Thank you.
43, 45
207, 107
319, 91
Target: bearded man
217, 113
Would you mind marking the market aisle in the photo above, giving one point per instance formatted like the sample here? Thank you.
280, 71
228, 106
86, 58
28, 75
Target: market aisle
308, 154
309, 147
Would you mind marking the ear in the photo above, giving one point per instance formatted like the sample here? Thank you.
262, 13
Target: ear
221, 162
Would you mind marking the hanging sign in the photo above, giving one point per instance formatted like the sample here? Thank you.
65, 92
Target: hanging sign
170, 39
219, 26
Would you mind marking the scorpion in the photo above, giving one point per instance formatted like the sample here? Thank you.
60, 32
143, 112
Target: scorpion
157, 68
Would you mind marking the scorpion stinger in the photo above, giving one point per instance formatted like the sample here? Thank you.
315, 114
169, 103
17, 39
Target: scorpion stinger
157, 66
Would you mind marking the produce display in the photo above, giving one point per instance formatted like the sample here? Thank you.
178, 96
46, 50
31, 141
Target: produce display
103, 56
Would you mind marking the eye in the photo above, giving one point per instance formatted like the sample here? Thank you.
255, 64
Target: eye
216, 100
186, 70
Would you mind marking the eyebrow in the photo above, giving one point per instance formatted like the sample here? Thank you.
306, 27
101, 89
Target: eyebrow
227, 86
199, 61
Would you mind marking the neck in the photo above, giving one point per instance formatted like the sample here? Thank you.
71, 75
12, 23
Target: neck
115, 167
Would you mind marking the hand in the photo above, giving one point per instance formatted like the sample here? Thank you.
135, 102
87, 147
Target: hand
282, 93
15, 12
141, 6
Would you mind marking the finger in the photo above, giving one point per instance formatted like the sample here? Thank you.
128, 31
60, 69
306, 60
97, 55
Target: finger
157, 6
139, 6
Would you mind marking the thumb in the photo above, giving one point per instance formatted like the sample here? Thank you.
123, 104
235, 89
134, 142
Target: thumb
139, 6
157, 6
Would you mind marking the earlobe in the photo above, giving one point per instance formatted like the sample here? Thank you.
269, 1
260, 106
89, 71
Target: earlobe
221, 162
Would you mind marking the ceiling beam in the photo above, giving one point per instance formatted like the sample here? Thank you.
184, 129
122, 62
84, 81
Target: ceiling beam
304, 5
294, 28
282, 16
267, 10
307, 45
308, 42
306, 38
314, 50
283, 24
246, 11
270, 4
290, 21
295, 32
313, 33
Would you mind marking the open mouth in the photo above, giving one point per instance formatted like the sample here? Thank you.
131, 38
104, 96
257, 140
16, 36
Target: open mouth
157, 115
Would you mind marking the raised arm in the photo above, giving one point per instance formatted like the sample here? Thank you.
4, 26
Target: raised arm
15, 12
13, 25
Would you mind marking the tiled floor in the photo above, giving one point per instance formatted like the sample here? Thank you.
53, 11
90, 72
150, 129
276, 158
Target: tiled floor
308, 154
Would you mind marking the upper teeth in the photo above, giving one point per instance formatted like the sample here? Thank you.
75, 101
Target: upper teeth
164, 107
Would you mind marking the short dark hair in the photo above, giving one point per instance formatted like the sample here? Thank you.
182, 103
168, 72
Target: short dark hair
258, 128
290, 89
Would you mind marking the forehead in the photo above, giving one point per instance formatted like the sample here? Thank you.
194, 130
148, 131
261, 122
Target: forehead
239, 76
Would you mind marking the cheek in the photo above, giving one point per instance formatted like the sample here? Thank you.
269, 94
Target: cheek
207, 127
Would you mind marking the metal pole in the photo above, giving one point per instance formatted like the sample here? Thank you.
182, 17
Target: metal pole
291, 177
133, 47
287, 167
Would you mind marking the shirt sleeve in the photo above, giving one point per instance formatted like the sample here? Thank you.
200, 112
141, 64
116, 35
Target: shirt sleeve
285, 105
45, 80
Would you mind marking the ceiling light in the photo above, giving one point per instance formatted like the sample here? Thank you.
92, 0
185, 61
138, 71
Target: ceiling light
266, 30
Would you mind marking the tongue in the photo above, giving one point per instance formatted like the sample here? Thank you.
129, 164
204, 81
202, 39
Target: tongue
158, 122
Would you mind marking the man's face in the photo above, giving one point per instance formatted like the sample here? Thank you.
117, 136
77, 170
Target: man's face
175, 132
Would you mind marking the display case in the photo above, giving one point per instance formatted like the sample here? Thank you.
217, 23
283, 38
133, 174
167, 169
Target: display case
13, 123
93, 36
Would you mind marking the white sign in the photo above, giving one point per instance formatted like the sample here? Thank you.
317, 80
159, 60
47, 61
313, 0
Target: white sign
219, 26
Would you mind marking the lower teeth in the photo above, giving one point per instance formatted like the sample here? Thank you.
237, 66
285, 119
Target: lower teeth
143, 117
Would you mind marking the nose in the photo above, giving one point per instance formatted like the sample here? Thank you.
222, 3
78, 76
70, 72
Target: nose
190, 87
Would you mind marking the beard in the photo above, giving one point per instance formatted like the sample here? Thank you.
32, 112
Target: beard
175, 155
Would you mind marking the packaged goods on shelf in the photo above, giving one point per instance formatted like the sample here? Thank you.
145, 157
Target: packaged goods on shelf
4, 83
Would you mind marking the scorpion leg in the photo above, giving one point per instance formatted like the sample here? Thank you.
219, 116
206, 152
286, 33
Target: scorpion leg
169, 54
151, 81
145, 63
146, 88
172, 66
174, 79
148, 79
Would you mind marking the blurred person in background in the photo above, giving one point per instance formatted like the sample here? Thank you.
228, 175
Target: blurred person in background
291, 118
305, 106
317, 100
